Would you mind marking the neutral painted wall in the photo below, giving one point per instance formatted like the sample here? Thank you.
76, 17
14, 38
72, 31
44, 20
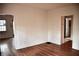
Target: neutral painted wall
54, 25
30, 25
1, 8
35, 26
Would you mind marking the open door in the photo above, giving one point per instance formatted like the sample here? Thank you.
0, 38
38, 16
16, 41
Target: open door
66, 28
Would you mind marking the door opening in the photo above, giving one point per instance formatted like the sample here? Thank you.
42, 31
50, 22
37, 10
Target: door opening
66, 28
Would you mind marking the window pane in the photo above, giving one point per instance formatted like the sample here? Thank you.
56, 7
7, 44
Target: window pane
2, 25
2, 22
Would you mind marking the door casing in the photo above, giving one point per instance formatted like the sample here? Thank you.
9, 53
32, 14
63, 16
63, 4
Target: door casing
62, 28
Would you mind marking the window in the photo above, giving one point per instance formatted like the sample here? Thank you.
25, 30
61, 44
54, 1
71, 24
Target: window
2, 25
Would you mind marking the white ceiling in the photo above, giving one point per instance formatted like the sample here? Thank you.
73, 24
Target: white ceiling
45, 6
48, 6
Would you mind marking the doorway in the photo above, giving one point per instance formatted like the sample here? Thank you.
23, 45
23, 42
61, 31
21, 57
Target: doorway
66, 28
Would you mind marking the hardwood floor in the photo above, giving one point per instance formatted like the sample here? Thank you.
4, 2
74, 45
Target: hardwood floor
49, 50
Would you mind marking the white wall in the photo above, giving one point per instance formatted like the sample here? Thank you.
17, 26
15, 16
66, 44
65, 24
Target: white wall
54, 24
35, 26
30, 25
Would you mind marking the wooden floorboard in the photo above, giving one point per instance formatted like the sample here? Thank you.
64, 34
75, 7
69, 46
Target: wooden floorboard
49, 50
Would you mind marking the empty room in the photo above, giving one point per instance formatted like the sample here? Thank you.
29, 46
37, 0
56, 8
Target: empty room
39, 29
